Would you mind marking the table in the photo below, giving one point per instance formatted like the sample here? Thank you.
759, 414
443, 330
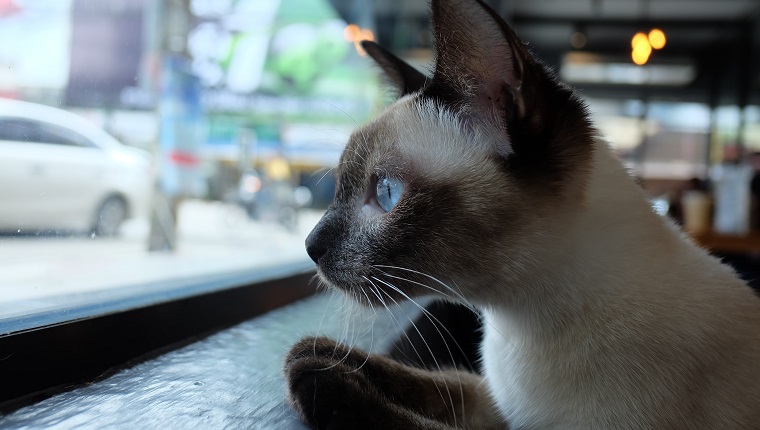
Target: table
728, 244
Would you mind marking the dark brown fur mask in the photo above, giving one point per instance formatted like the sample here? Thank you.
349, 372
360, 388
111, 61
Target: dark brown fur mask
481, 158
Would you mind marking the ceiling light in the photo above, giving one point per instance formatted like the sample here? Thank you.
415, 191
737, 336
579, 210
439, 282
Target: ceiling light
643, 44
638, 39
657, 38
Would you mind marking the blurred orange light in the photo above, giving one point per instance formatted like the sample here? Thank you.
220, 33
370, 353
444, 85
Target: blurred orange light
640, 57
357, 35
643, 49
359, 49
657, 38
351, 32
367, 34
639, 39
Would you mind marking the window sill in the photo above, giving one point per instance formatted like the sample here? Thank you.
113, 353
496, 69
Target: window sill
232, 379
70, 346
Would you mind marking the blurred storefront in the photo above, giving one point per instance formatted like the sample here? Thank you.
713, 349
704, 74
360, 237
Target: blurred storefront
278, 77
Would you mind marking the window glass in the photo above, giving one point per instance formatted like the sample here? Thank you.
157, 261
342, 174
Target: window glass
752, 128
218, 124
659, 140
19, 130
726, 134
53, 134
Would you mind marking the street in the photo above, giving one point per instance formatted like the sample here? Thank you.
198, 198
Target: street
214, 238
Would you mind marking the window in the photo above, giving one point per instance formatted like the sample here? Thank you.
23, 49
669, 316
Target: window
30, 131
216, 123
659, 140
56, 135
752, 128
19, 130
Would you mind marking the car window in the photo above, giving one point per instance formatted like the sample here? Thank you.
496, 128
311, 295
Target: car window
24, 130
20, 130
53, 134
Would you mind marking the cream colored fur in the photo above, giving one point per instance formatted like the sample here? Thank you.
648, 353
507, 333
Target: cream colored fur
614, 319
598, 313
628, 326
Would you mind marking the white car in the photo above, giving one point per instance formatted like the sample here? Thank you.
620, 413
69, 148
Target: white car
59, 172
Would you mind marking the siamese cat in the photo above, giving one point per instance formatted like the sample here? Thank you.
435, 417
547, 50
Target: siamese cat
488, 185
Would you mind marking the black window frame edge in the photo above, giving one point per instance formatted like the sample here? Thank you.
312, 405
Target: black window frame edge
67, 308
38, 363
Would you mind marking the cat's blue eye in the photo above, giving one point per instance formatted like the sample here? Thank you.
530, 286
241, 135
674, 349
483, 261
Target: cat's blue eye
388, 192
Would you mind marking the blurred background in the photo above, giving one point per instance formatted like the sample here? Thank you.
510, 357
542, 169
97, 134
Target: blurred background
144, 141
673, 85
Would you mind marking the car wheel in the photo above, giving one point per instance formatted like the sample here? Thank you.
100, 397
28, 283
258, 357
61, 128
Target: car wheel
109, 217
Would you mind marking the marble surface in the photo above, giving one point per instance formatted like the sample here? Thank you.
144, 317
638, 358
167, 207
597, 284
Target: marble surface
230, 380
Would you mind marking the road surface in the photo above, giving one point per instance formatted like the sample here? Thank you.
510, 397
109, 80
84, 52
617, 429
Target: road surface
37, 273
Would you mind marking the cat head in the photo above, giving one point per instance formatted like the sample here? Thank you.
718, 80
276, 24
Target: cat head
451, 189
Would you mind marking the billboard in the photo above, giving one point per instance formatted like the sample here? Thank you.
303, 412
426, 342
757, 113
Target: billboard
279, 68
106, 53
283, 69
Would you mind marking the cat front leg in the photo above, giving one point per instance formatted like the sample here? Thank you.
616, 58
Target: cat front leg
332, 386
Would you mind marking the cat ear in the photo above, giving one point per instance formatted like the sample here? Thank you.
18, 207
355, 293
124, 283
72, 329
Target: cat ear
485, 72
404, 77
480, 58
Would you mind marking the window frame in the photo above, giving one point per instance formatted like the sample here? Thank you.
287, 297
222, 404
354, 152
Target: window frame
37, 363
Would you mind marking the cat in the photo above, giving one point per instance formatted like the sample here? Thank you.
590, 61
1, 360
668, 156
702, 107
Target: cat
488, 185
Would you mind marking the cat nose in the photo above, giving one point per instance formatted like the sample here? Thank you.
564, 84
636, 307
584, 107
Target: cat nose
314, 246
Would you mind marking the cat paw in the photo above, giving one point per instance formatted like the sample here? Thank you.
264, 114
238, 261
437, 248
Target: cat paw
333, 386
325, 390
326, 348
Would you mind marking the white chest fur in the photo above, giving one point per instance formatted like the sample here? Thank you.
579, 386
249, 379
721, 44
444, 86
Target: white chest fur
527, 388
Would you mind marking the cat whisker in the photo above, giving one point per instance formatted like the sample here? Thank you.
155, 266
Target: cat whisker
320, 170
358, 316
458, 294
369, 302
325, 174
365, 142
355, 151
373, 288
376, 291
344, 335
436, 323
462, 300
343, 309
426, 313
341, 111
372, 338
321, 284
321, 321
314, 350
435, 290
